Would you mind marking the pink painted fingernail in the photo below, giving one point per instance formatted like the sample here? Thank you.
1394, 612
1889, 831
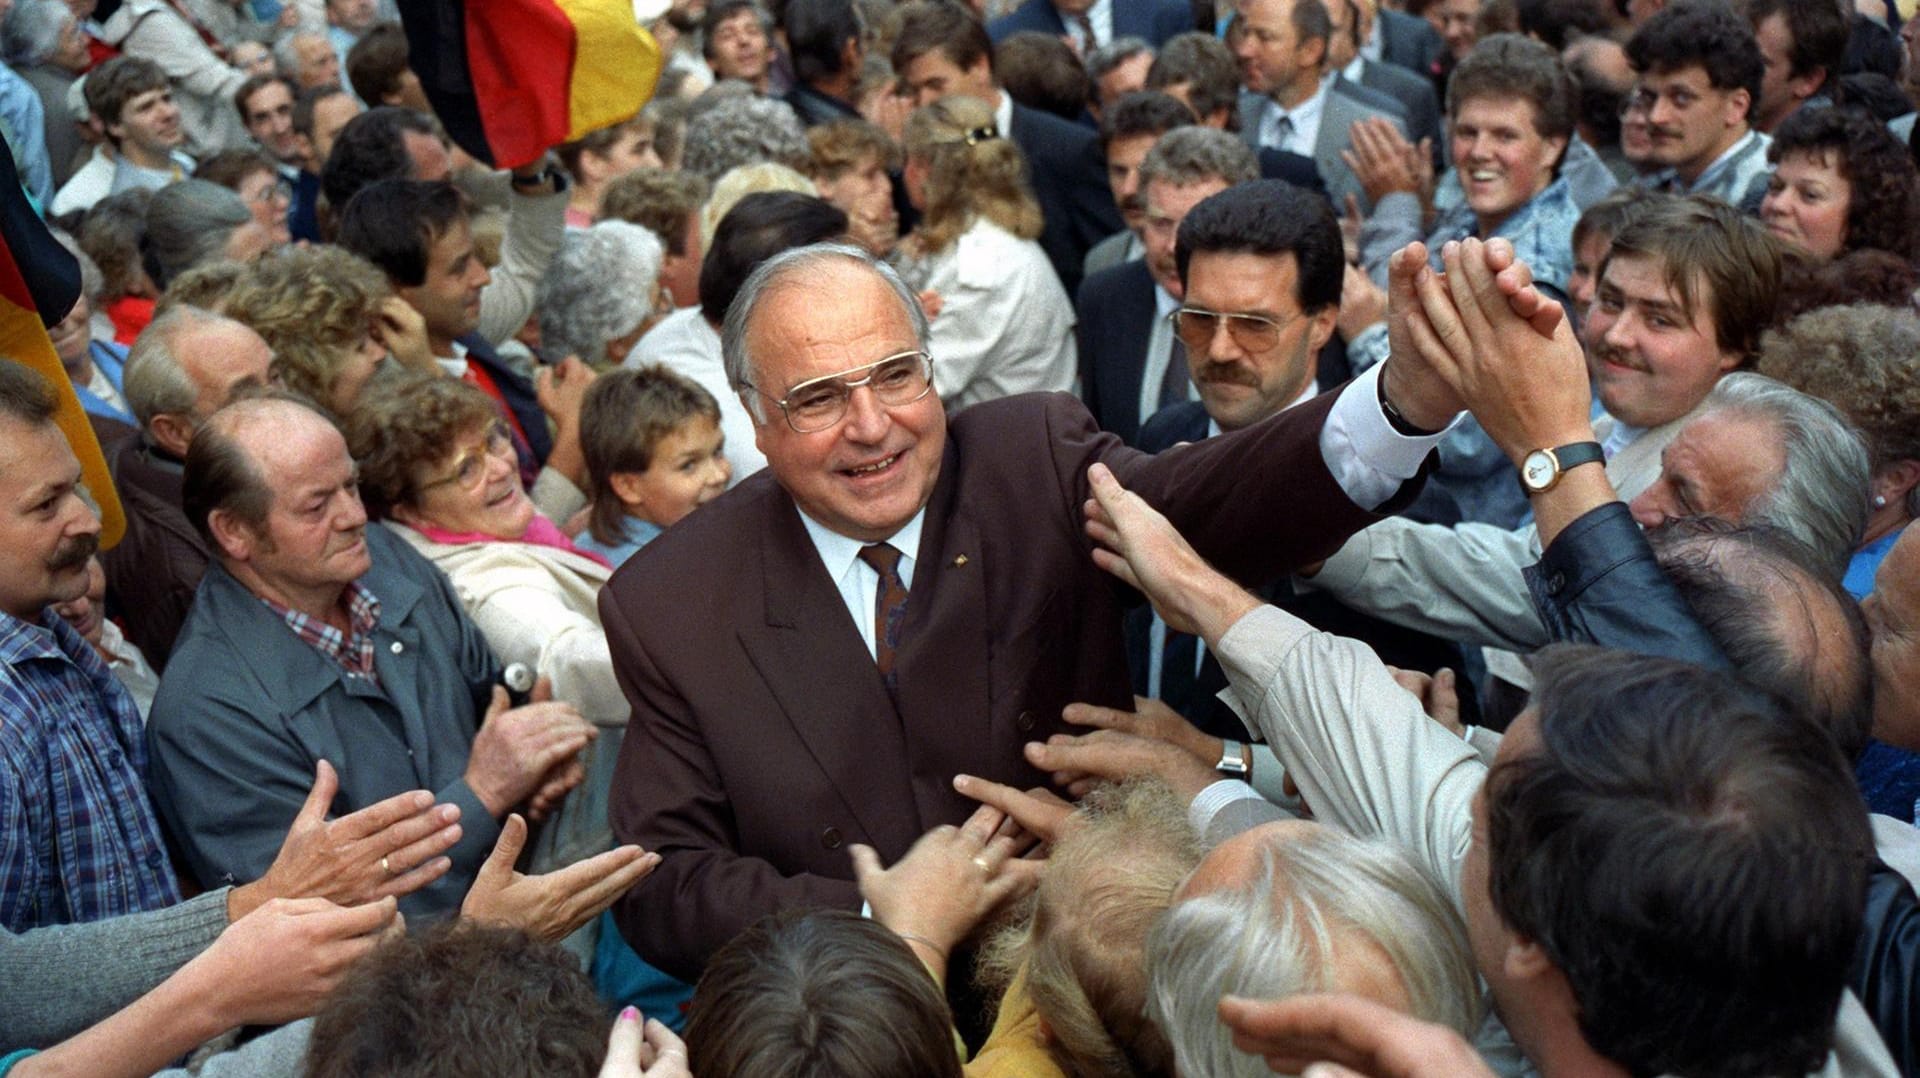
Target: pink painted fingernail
631, 1014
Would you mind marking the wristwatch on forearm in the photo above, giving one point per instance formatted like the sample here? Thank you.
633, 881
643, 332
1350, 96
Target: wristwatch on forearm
1540, 470
1236, 759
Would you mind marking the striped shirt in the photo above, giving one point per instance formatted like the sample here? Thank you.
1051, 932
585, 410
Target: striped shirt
79, 840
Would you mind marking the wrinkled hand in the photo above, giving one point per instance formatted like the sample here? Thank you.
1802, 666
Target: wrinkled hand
555, 785
1507, 350
1381, 159
1437, 693
403, 332
1078, 762
1138, 545
1410, 378
1039, 812
517, 748
644, 1049
1363, 304
1149, 718
948, 881
388, 849
552, 906
280, 962
1355, 1035
561, 388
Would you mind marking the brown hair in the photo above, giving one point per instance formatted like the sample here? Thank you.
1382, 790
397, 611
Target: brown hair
660, 200
1701, 242
921, 26
625, 414
842, 145
314, 307
819, 992
409, 426
974, 171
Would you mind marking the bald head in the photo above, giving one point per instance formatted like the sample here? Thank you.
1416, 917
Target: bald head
185, 366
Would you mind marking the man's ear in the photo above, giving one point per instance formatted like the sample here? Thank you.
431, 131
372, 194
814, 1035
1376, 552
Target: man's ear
173, 433
1739, 107
627, 487
1525, 960
234, 538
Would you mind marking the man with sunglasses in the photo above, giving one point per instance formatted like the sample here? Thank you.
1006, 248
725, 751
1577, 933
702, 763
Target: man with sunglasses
898, 599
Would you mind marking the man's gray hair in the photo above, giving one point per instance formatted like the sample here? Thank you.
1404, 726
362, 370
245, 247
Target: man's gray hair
189, 222
286, 58
1114, 53
799, 260
599, 288
1190, 155
1280, 934
154, 382
744, 130
1821, 497
30, 32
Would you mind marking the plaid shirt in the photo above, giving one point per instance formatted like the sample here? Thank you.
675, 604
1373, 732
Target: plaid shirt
354, 650
78, 838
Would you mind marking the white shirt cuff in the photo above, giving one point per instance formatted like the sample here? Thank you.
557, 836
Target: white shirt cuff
1209, 802
1368, 458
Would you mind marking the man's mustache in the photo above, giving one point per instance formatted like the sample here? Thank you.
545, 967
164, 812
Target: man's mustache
1233, 374
74, 553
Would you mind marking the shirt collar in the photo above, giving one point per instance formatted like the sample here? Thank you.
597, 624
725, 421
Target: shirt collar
838, 553
457, 364
1003, 115
21, 640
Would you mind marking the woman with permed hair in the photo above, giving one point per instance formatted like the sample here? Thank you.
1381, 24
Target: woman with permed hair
1842, 183
1004, 324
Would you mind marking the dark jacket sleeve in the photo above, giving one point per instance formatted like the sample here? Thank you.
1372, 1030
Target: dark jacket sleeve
1887, 966
1598, 583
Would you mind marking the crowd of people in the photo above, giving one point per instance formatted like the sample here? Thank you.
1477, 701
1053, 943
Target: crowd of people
1005, 538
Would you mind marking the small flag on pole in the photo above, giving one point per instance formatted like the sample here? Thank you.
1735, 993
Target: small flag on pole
510, 79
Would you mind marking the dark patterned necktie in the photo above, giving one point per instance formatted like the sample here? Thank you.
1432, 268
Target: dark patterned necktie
889, 607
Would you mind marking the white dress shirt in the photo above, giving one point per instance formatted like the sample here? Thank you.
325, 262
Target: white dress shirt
1305, 118
858, 582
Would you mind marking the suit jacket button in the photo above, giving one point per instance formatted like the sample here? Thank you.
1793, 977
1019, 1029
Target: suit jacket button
1025, 722
830, 838
1556, 583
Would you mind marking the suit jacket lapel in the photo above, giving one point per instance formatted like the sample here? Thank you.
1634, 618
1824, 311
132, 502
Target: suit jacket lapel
810, 656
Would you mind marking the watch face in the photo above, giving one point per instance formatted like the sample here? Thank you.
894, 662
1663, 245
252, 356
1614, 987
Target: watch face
1538, 470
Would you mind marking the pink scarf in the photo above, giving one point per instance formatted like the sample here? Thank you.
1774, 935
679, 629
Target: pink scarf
540, 532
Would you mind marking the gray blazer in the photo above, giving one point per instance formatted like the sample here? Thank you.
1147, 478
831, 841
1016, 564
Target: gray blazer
1415, 94
1346, 105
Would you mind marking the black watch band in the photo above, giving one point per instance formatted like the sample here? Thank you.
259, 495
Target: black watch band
1400, 424
1542, 469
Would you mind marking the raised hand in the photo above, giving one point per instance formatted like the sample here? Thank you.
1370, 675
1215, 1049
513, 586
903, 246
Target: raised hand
387, 850
949, 880
1341, 1035
552, 906
280, 962
1040, 813
517, 748
1138, 545
644, 1049
1381, 159
1437, 694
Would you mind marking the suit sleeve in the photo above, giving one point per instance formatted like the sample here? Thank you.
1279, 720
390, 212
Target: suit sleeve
703, 893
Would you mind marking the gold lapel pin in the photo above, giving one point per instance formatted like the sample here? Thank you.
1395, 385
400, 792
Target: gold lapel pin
959, 560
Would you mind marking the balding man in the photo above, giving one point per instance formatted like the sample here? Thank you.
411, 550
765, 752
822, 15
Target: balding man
316, 637
185, 366
897, 599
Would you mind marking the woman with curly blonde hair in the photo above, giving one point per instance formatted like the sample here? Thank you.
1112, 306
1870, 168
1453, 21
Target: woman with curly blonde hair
1004, 325
330, 319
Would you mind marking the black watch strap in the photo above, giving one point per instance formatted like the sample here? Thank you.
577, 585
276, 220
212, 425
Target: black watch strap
1400, 424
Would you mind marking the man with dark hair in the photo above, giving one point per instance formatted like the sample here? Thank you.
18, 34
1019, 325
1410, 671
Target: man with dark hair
1131, 361
1041, 72
666, 202
388, 143
379, 72
1199, 70
420, 234
1127, 131
823, 37
1801, 47
1353, 22
1700, 73
266, 105
319, 115
1117, 68
736, 38
1293, 104
687, 341
942, 49
134, 103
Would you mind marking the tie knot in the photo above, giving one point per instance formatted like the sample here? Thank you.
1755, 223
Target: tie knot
882, 558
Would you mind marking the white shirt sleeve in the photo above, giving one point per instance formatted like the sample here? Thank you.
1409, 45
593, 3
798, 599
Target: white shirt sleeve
1368, 458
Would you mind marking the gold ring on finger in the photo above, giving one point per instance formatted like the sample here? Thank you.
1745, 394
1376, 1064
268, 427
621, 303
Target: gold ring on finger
982, 862
385, 867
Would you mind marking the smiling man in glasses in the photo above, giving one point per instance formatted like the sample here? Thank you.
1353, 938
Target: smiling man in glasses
896, 599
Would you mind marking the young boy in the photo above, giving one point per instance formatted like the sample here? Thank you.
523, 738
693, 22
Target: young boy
653, 446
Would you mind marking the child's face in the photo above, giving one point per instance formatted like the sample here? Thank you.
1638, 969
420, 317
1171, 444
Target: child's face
687, 470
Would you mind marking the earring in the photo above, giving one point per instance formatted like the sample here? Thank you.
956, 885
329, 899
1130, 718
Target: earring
1879, 501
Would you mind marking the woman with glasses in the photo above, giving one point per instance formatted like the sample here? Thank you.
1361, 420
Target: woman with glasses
437, 465
255, 178
1004, 325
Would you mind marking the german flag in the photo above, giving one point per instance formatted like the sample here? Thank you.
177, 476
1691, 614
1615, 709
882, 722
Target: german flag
511, 79
39, 282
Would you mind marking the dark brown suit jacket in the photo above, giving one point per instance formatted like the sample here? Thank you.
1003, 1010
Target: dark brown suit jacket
763, 741
154, 570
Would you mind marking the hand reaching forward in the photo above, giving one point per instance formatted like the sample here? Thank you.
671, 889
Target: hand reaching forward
1138, 545
280, 962
948, 881
552, 906
518, 749
1340, 1036
1039, 812
388, 849
644, 1049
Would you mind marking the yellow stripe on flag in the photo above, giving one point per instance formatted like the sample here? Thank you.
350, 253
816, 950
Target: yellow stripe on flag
24, 340
615, 64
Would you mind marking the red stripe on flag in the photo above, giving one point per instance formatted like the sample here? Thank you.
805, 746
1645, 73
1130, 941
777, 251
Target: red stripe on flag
520, 57
12, 285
